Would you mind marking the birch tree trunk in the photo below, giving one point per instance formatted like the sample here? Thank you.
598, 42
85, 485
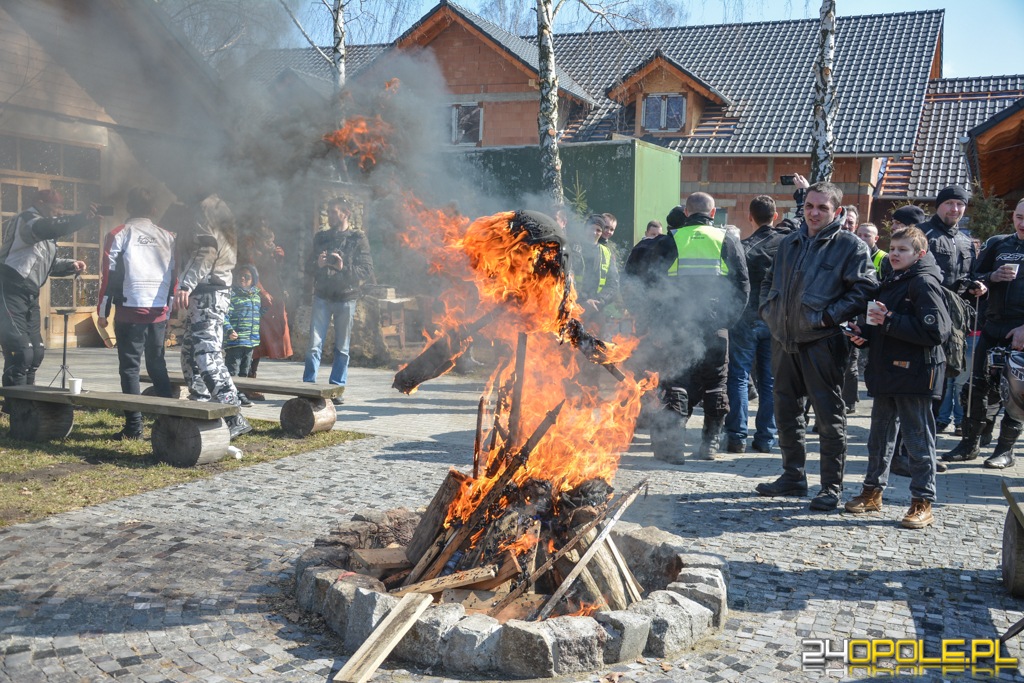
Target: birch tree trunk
547, 119
823, 152
338, 49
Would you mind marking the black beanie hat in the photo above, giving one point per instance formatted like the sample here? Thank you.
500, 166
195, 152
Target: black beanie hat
676, 217
909, 215
952, 192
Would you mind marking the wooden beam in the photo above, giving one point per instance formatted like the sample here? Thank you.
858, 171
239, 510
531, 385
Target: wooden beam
467, 577
379, 561
372, 653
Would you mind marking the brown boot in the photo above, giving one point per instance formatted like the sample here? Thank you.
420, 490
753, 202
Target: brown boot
869, 500
919, 515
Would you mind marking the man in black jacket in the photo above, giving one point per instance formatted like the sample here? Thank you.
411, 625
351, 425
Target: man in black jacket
342, 266
750, 340
821, 277
999, 266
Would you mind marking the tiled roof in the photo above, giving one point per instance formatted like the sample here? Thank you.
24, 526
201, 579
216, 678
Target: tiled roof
952, 107
766, 71
266, 66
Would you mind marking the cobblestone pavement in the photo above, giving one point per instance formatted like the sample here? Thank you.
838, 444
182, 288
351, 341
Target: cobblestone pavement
179, 584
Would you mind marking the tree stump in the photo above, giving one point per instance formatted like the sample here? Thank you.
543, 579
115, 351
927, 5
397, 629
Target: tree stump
301, 416
1013, 555
39, 420
185, 442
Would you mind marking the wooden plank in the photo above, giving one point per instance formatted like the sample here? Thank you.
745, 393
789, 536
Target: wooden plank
508, 570
481, 602
1014, 494
632, 585
467, 577
430, 524
378, 561
383, 640
270, 386
152, 405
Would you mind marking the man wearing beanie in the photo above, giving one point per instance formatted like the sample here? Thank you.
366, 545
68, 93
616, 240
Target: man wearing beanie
705, 285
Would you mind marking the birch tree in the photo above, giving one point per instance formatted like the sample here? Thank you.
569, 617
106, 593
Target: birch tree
823, 150
547, 119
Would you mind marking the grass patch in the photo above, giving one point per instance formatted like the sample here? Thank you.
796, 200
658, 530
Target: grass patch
89, 467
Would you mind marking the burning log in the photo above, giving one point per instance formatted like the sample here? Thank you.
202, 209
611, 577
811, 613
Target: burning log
440, 356
432, 522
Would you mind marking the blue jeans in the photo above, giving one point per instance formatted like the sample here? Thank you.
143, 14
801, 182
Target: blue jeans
320, 319
913, 415
747, 342
951, 397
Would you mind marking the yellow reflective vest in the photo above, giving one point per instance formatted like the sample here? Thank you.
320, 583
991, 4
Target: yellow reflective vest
877, 259
700, 251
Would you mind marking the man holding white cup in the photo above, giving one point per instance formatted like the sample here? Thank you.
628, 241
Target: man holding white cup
999, 267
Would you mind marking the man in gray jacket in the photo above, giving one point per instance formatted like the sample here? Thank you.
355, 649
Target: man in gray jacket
821, 277
28, 256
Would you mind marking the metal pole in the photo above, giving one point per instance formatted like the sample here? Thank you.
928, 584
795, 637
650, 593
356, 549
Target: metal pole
64, 357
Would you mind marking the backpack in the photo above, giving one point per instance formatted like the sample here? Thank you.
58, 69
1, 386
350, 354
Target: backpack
961, 317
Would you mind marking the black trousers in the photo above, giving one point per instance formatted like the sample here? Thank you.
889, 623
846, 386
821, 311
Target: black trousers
983, 388
705, 380
135, 341
815, 372
20, 337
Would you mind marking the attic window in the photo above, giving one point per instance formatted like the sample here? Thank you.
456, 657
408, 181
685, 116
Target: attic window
664, 111
467, 124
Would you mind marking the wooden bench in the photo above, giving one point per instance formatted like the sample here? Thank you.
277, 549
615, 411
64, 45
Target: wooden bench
1013, 538
311, 409
185, 433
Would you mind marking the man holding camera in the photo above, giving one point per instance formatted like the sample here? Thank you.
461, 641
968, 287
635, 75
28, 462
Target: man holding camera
1003, 331
28, 257
342, 266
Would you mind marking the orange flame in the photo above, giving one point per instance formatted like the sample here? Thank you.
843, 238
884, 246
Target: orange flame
363, 138
585, 610
520, 545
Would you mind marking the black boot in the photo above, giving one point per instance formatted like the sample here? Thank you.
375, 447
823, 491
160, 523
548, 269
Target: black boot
986, 433
1003, 456
668, 427
709, 438
969, 447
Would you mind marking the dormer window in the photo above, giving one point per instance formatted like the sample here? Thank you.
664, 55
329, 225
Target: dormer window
664, 111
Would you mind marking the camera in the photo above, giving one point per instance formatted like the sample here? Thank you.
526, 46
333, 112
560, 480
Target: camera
787, 179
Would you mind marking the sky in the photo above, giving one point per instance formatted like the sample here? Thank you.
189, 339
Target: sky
980, 38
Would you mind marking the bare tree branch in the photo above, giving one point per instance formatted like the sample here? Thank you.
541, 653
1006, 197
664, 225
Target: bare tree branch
302, 30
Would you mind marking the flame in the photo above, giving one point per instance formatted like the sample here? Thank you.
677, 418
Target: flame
585, 610
520, 545
521, 286
363, 138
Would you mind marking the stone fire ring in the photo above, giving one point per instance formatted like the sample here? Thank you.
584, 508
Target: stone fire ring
685, 600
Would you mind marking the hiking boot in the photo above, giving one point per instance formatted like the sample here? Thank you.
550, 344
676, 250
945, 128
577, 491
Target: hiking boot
783, 486
969, 447
1003, 456
710, 434
237, 425
919, 515
736, 446
826, 500
869, 500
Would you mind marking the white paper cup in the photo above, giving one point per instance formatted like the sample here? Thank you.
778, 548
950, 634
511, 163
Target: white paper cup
75, 385
873, 306
1014, 267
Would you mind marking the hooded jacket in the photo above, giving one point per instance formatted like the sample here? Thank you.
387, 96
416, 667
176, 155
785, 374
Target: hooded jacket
905, 355
244, 313
815, 283
28, 255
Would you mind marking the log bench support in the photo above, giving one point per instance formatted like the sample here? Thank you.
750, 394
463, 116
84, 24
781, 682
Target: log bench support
185, 433
301, 416
1013, 539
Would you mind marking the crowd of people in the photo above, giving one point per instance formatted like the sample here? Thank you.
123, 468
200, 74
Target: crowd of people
793, 309
226, 281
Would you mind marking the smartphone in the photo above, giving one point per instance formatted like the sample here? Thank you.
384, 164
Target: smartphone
848, 330
787, 179
105, 210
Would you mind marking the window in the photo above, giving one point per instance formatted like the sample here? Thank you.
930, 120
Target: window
664, 111
467, 124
